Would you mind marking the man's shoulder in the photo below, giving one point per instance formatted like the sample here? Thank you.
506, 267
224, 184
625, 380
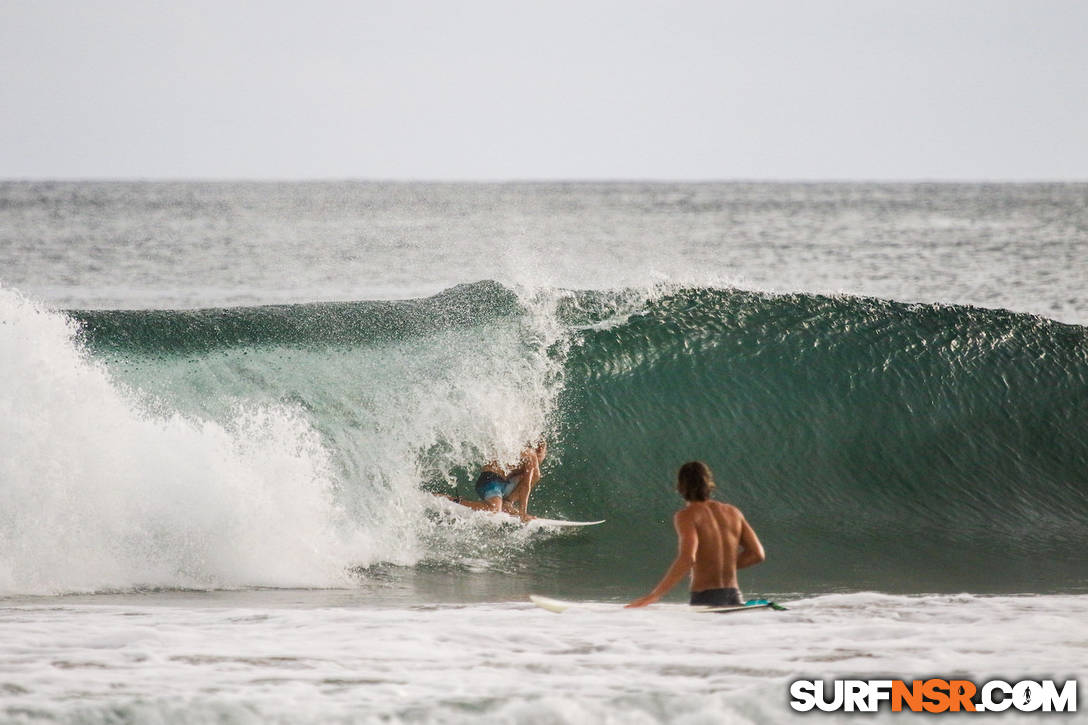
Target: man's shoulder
728, 509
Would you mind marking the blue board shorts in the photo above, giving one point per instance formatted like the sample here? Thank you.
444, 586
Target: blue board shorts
490, 485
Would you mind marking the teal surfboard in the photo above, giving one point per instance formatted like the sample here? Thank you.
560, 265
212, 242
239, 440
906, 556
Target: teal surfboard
750, 605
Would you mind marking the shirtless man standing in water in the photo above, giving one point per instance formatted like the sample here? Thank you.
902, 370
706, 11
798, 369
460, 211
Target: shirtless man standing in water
715, 541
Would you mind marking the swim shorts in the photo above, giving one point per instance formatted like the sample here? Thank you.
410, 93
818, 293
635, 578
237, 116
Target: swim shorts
724, 597
491, 484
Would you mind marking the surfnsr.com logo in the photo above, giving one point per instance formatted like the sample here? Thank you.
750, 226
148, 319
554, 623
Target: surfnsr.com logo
933, 695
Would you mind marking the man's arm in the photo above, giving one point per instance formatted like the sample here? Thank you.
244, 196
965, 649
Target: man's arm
751, 549
688, 542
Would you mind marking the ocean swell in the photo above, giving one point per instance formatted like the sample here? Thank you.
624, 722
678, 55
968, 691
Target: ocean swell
873, 444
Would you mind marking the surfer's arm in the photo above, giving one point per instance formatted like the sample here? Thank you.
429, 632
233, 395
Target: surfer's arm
681, 565
751, 549
520, 499
529, 470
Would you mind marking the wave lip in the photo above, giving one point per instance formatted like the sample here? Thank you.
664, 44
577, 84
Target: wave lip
314, 324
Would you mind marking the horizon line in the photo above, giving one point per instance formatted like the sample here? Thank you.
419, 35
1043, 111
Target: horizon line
537, 180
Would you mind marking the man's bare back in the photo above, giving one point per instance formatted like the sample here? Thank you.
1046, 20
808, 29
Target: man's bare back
715, 540
718, 528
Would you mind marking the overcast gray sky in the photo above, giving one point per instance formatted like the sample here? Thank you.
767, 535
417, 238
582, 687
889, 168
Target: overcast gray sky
464, 89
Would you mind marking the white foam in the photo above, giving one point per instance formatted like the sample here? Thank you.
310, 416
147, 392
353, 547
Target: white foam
112, 488
100, 494
511, 662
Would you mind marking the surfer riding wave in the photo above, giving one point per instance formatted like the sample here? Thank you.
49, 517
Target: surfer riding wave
508, 490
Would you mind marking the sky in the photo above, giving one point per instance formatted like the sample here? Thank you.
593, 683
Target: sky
500, 90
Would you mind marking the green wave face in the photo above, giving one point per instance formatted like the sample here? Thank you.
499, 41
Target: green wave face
871, 444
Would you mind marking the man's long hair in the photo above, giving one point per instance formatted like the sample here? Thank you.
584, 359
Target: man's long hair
695, 481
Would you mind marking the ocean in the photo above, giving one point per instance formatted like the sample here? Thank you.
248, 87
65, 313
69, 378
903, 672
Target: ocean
226, 406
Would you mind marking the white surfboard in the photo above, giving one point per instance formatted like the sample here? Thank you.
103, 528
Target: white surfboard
561, 523
552, 605
559, 605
